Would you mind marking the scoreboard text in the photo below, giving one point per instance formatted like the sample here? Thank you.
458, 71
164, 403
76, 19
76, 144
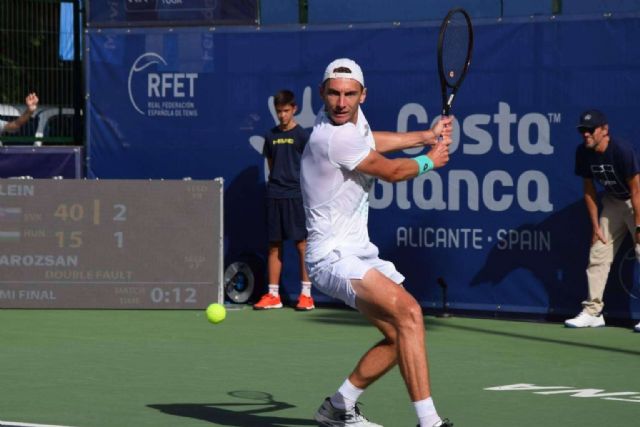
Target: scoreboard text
110, 243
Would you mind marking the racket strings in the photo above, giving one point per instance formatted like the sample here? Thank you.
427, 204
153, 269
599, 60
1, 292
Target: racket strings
455, 49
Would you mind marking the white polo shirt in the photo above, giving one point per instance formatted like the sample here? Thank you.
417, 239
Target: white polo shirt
335, 194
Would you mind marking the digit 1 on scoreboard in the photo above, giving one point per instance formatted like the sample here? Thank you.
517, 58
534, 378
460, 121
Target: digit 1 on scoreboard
96, 211
119, 235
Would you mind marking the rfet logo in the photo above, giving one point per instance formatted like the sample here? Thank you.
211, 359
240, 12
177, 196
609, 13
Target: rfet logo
156, 91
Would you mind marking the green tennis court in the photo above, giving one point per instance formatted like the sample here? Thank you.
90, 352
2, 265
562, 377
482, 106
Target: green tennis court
172, 368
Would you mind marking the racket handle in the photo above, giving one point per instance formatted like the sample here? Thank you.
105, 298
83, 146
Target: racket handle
445, 113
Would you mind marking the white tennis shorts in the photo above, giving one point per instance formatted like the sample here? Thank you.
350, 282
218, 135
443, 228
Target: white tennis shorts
333, 274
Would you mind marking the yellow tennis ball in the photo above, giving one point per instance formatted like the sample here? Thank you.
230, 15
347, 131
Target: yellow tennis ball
216, 313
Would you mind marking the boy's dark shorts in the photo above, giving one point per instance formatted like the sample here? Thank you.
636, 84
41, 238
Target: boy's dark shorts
285, 220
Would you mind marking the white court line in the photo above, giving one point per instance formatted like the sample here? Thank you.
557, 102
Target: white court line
17, 424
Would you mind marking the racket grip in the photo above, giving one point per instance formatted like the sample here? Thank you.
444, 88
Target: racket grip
445, 113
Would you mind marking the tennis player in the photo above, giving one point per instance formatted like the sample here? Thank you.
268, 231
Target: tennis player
339, 164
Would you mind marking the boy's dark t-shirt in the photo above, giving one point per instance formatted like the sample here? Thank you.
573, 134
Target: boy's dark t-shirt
285, 149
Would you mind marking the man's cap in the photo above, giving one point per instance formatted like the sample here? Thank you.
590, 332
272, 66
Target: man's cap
355, 74
591, 119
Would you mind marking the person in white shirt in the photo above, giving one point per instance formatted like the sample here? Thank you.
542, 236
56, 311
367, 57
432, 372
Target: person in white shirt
338, 168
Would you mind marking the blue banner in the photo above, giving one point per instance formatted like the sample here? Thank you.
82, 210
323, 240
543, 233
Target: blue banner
41, 162
503, 224
163, 12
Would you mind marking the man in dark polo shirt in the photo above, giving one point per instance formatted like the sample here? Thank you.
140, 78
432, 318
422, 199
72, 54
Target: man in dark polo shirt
615, 165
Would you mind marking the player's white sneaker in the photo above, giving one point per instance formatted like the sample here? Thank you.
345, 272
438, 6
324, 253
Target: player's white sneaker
329, 416
637, 327
585, 320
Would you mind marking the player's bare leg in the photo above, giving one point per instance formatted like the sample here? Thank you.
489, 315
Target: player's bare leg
399, 317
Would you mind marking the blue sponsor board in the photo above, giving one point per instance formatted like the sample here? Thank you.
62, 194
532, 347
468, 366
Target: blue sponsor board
162, 12
40, 162
503, 224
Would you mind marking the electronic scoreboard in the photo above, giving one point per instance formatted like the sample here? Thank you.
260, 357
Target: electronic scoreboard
110, 243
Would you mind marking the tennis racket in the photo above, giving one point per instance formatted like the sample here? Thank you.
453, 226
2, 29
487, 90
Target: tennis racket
455, 44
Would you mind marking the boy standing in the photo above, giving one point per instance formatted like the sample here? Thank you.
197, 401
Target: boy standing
285, 214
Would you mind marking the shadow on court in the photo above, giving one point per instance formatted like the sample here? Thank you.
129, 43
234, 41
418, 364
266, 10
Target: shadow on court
542, 339
561, 269
345, 316
350, 317
254, 411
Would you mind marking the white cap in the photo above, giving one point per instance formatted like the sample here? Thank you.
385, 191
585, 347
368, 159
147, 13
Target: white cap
355, 74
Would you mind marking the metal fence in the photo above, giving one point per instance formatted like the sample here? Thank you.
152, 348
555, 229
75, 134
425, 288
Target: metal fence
39, 53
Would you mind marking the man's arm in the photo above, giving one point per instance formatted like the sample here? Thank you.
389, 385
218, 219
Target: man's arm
387, 142
590, 199
31, 102
634, 187
394, 170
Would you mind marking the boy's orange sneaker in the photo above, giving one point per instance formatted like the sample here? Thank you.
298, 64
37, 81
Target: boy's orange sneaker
305, 303
267, 302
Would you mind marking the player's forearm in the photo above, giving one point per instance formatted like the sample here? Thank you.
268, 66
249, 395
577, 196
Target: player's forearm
387, 142
402, 170
390, 170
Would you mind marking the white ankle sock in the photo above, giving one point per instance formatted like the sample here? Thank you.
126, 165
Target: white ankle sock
306, 289
346, 396
427, 413
274, 289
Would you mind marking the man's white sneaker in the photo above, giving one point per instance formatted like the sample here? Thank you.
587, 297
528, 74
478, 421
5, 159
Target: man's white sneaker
585, 320
330, 416
637, 327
